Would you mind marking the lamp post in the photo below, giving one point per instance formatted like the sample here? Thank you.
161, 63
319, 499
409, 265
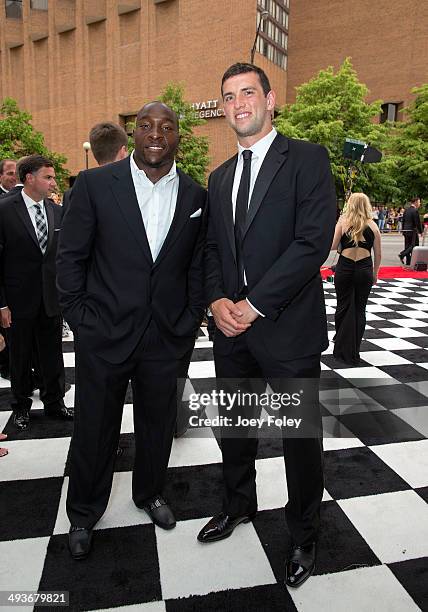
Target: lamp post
87, 148
263, 16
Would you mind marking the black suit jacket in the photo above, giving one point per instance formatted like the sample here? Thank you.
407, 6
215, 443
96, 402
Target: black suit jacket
17, 189
289, 230
412, 220
26, 275
66, 200
108, 284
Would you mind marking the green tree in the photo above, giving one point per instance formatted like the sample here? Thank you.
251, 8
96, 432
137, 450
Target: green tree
330, 108
192, 155
19, 138
410, 145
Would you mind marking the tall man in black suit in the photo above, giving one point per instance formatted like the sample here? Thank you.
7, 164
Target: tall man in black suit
412, 227
272, 213
29, 225
131, 288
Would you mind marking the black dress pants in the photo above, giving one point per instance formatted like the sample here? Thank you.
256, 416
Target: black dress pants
353, 281
43, 335
303, 456
100, 395
411, 239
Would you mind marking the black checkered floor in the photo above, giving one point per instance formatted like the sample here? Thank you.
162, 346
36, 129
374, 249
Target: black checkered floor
374, 544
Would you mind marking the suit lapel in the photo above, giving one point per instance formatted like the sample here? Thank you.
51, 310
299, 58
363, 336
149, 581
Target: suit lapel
123, 189
275, 157
23, 213
183, 210
226, 187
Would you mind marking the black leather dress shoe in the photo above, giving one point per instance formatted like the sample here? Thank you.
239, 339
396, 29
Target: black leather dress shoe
160, 513
79, 542
59, 411
221, 526
401, 258
300, 564
21, 419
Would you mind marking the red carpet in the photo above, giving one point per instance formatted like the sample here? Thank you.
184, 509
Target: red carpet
387, 272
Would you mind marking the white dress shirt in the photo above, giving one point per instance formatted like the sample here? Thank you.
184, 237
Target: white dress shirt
259, 149
157, 202
31, 207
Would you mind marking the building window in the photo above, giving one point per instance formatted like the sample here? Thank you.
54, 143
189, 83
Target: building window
40, 5
273, 38
13, 9
389, 111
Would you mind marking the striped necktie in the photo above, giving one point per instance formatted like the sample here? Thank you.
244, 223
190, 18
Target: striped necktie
41, 228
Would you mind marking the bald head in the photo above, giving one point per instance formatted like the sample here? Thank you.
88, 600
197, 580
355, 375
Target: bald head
158, 108
156, 139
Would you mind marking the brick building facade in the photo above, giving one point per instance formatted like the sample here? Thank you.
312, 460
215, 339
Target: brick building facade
84, 61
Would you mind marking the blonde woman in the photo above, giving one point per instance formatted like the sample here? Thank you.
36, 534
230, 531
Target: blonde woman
355, 237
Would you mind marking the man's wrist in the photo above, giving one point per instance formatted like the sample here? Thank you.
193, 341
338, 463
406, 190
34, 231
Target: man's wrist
255, 309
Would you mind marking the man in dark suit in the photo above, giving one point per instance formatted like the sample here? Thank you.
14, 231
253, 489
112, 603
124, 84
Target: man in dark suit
131, 288
272, 213
29, 225
412, 227
7, 176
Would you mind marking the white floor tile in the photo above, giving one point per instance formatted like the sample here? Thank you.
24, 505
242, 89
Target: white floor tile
371, 316
4, 417
69, 397
68, 360
413, 314
394, 525
409, 322
121, 510
202, 369
382, 358
393, 344
402, 332
408, 459
188, 567
377, 308
271, 483
22, 565
367, 589
195, 450
127, 425
35, 459
416, 416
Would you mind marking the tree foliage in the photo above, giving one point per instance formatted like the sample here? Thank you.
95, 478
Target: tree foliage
410, 146
330, 108
192, 155
18, 138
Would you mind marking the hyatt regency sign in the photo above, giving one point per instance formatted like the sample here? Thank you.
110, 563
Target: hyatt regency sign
208, 109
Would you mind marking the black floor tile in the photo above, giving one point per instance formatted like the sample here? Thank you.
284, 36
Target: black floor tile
355, 472
413, 575
123, 564
42, 495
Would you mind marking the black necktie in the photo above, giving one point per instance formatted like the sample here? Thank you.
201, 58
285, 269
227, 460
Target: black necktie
241, 213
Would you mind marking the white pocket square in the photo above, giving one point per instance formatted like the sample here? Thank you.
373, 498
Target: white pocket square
196, 214
58, 229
